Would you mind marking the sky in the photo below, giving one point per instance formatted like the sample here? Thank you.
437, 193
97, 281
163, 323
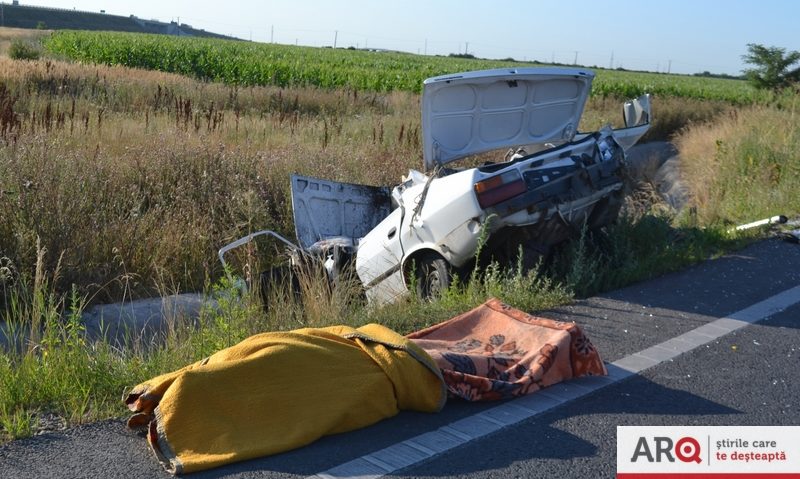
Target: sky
677, 36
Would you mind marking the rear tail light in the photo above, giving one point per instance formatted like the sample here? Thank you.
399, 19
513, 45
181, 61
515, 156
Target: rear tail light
499, 188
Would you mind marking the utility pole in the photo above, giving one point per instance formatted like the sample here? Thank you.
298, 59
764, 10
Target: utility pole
335, 37
575, 62
426, 46
669, 68
272, 34
553, 57
611, 63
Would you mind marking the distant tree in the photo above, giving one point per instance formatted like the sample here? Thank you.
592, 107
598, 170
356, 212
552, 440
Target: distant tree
40, 25
708, 74
772, 66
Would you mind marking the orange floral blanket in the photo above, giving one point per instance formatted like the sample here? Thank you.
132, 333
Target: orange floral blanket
495, 352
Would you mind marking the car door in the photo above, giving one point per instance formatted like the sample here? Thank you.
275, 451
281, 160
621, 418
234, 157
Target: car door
325, 209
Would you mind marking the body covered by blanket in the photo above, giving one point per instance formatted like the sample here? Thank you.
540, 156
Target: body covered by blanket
277, 391
496, 352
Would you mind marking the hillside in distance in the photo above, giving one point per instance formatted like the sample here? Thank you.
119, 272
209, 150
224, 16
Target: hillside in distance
25, 16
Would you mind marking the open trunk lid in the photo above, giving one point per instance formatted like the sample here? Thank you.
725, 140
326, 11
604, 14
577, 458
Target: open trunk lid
470, 113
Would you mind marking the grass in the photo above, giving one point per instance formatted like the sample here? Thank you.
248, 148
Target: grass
635, 249
745, 166
163, 170
9, 36
119, 183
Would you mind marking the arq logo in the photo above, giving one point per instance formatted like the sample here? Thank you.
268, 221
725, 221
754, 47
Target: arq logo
686, 449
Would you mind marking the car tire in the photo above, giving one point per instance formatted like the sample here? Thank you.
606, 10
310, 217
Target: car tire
433, 276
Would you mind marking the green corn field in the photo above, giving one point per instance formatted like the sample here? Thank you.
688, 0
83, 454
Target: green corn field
247, 64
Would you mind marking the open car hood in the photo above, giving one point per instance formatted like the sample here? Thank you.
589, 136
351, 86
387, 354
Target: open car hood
470, 113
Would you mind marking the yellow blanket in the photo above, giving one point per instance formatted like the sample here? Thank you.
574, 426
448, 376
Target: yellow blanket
277, 391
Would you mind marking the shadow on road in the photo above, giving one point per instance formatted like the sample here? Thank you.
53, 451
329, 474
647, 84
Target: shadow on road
721, 286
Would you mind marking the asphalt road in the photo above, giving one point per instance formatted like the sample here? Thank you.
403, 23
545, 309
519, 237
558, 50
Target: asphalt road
748, 377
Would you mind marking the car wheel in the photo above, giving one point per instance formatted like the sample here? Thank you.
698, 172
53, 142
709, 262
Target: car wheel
433, 276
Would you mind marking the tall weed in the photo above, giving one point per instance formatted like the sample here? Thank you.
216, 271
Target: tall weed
745, 166
634, 249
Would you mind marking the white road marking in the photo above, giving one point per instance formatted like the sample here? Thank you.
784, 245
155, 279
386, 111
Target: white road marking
430, 444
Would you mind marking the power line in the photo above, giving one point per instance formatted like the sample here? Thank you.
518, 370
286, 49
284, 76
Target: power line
441, 45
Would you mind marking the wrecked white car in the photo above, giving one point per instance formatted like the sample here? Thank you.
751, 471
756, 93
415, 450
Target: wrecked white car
422, 231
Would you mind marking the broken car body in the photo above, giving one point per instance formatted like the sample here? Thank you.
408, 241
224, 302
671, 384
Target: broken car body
430, 225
